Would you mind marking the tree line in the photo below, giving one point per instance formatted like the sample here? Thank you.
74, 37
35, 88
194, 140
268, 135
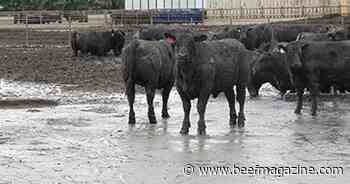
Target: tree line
11, 5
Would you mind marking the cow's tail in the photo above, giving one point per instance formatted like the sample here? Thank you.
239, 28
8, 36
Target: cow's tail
74, 43
129, 61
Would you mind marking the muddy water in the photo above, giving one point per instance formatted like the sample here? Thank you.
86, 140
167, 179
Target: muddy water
92, 142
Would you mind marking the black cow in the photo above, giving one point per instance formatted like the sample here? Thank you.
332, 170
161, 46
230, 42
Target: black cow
314, 36
289, 33
234, 32
270, 67
256, 35
210, 67
156, 32
149, 64
98, 43
314, 63
331, 36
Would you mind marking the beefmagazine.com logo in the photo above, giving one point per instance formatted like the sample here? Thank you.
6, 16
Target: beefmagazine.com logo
236, 170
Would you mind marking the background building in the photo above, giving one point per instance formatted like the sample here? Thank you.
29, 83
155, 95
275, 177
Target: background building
157, 4
224, 4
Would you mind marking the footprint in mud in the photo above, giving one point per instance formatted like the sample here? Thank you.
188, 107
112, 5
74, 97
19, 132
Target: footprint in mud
101, 110
105, 110
67, 122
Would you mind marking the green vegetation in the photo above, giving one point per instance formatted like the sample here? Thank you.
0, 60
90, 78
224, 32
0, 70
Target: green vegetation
61, 4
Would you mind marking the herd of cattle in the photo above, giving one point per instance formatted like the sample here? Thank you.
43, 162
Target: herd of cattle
289, 57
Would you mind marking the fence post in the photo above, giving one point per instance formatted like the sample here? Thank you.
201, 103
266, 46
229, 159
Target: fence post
105, 17
70, 29
27, 31
41, 17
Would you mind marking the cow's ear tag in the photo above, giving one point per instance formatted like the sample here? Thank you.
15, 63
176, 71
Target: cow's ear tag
170, 40
282, 51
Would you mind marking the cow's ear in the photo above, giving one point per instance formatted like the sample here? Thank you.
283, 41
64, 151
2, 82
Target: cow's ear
200, 38
169, 38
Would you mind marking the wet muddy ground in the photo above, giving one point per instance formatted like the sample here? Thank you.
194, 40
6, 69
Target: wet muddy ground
88, 140
85, 138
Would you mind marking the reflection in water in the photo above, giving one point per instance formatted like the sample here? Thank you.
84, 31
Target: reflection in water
192, 144
272, 136
320, 140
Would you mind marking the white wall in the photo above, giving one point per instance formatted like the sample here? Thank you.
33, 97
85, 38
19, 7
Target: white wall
225, 3
267, 3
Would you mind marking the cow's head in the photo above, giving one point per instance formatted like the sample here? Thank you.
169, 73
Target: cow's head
185, 45
294, 52
118, 40
243, 34
275, 64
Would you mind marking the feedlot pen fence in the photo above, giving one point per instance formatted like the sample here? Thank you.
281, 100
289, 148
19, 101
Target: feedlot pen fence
59, 25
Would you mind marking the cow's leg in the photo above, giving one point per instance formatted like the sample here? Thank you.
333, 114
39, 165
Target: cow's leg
254, 87
283, 93
314, 91
230, 95
300, 93
150, 96
84, 51
165, 96
130, 92
241, 100
75, 52
253, 92
201, 107
299, 87
186, 103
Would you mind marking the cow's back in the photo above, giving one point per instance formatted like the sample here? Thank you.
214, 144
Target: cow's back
154, 63
327, 55
227, 58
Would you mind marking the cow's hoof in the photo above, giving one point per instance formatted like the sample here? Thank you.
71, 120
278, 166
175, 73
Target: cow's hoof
184, 131
241, 122
132, 121
233, 123
201, 131
165, 115
297, 111
153, 121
